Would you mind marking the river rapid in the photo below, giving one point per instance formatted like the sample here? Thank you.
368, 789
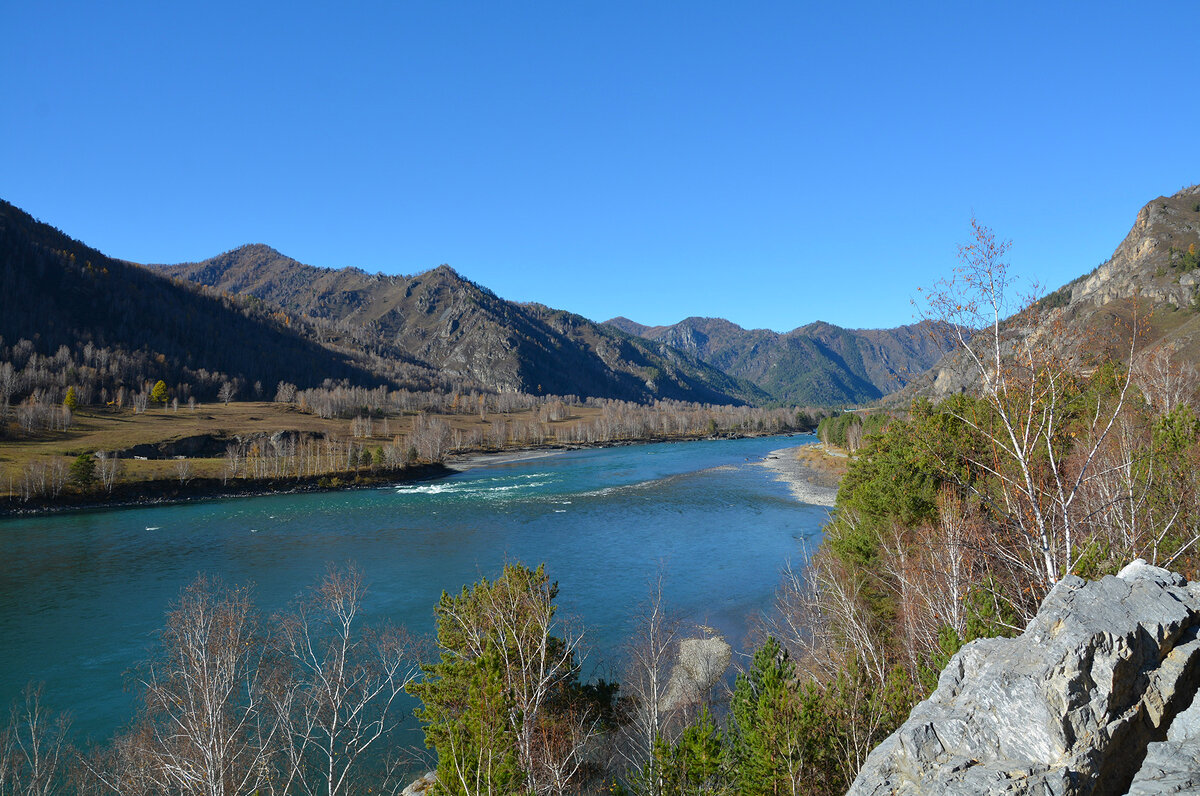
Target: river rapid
82, 595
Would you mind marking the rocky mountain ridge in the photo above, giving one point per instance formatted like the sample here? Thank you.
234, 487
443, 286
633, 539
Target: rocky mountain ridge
1097, 696
815, 363
462, 329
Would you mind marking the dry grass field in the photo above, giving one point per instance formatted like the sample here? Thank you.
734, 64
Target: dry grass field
97, 429
823, 460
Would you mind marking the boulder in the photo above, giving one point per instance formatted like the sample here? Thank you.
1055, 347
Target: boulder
421, 785
1073, 705
702, 662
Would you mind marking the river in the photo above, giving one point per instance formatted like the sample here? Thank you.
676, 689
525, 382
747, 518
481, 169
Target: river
82, 595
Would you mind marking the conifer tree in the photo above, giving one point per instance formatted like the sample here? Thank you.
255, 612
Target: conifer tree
498, 705
83, 471
777, 729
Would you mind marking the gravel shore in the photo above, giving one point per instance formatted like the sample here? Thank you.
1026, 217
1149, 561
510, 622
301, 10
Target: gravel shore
807, 484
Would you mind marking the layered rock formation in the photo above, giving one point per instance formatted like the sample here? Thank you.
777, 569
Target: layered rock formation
1095, 697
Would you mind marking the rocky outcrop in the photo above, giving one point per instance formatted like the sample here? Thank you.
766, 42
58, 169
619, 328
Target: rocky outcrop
1173, 765
1093, 698
1141, 265
421, 785
702, 662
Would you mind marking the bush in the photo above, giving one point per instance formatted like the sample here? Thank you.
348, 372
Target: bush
83, 471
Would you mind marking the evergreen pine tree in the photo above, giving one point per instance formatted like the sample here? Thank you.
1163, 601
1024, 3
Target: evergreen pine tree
779, 738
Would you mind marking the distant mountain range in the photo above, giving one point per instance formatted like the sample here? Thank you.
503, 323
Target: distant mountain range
818, 364
257, 317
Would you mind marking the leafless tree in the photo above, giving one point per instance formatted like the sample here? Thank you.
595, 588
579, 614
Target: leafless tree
108, 469
33, 748
431, 438
651, 654
8, 386
227, 392
822, 619
183, 469
205, 731
285, 393
933, 575
337, 700
854, 435
1164, 380
1024, 383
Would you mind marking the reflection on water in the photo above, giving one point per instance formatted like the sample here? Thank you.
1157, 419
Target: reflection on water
82, 595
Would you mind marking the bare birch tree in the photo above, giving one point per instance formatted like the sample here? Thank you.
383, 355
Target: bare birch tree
337, 701
33, 748
1025, 384
651, 653
206, 730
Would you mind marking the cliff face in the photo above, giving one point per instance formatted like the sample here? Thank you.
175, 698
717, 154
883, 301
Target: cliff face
1095, 697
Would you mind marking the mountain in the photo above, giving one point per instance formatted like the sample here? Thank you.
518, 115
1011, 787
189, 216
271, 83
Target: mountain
815, 364
1153, 278
465, 331
68, 313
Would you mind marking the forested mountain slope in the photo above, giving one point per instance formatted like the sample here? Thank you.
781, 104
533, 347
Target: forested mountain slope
818, 363
464, 330
103, 323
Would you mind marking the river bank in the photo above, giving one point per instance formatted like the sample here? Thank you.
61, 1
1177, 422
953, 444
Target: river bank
158, 492
809, 476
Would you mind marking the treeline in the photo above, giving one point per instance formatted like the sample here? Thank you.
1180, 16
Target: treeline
384, 440
847, 429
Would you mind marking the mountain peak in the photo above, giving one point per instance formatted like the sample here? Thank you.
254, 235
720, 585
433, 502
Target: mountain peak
447, 272
627, 326
257, 249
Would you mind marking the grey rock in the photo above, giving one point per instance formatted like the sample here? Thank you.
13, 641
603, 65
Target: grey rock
1173, 765
422, 785
702, 662
1068, 707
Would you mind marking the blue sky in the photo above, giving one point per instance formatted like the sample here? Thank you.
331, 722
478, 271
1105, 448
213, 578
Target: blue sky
771, 163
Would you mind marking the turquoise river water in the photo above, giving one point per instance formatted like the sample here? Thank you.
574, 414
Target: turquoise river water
81, 595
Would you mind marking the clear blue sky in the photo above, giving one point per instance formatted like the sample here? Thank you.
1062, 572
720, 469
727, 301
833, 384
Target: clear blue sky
772, 163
